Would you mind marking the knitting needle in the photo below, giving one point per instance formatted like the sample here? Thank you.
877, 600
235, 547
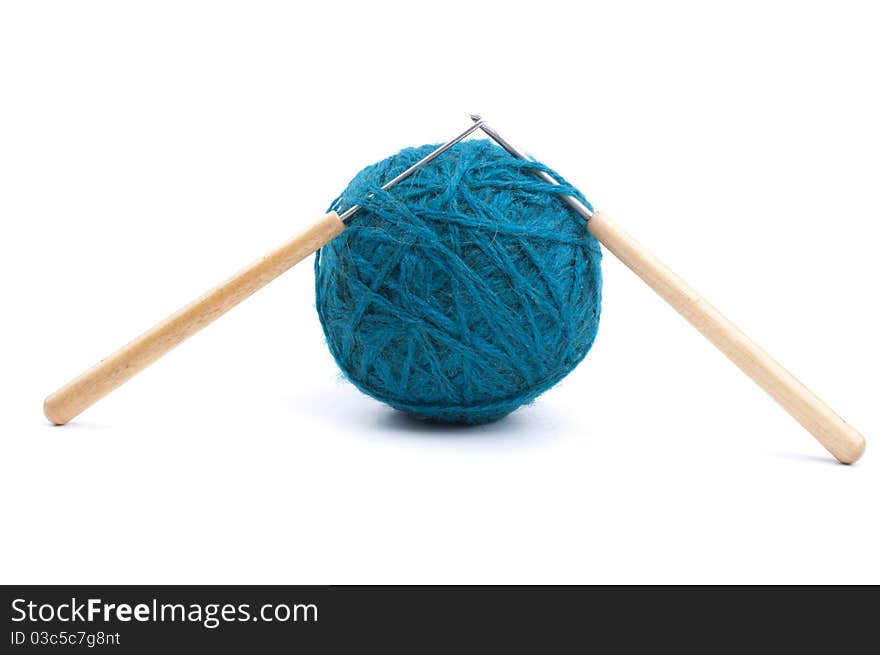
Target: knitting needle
841, 440
92, 385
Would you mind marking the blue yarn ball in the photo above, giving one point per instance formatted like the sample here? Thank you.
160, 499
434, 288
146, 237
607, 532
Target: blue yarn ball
463, 292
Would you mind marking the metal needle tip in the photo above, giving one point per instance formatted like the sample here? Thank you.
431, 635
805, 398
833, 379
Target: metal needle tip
571, 201
431, 156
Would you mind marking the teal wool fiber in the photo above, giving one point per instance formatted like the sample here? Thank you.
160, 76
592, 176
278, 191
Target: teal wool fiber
463, 292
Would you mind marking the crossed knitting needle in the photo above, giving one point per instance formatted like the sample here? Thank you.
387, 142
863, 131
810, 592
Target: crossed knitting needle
835, 434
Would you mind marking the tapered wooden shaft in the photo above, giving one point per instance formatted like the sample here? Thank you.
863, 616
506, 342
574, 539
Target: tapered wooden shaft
83, 391
841, 439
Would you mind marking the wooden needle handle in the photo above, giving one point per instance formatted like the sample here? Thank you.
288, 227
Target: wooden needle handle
844, 442
83, 391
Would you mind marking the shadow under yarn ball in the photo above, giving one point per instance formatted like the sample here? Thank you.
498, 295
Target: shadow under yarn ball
464, 292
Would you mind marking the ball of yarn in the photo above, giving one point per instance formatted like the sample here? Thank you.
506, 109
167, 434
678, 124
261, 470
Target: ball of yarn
463, 292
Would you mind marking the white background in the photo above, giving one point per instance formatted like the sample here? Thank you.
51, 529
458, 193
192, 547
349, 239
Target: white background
149, 150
